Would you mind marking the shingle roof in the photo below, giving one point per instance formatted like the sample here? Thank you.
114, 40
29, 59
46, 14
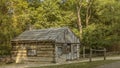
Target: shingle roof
56, 34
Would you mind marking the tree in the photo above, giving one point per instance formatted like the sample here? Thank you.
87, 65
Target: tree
11, 25
88, 11
79, 5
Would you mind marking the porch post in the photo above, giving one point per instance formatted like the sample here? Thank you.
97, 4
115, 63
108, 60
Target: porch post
55, 54
72, 52
78, 51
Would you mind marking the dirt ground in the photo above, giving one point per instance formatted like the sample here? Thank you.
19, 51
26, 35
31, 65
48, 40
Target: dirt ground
111, 65
13, 66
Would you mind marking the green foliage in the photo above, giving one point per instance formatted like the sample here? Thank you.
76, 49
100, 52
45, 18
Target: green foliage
100, 35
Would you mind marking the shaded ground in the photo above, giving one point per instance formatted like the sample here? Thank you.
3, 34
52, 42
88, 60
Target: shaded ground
81, 60
13, 66
111, 65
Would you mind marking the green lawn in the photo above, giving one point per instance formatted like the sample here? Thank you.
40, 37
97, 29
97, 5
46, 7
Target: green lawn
93, 64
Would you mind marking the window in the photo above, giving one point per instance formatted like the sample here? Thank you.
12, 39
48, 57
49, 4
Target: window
59, 51
31, 52
67, 48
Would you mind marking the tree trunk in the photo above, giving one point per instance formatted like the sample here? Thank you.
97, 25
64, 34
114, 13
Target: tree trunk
79, 22
79, 4
88, 11
87, 16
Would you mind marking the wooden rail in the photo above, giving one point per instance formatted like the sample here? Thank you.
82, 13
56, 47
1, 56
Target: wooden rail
91, 53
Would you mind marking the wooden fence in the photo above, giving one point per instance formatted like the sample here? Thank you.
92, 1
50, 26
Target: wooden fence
91, 53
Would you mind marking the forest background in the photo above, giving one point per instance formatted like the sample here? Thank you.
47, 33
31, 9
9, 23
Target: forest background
96, 22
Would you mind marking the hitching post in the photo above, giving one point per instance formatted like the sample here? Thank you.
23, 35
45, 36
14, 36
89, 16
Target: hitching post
90, 55
104, 54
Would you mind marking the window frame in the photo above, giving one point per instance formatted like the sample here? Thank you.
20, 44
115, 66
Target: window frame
31, 54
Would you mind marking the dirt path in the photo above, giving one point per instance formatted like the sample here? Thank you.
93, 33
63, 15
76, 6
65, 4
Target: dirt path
14, 66
38, 65
81, 60
111, 65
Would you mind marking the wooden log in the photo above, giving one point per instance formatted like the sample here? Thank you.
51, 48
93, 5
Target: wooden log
84, 51
45, 55
29, 62
15, 47
72, 54
46, 52
35, 57
15, 55
46, 49
45, 46
104, 54
55, 54
90, 58
45, 59
68, 43
24, 51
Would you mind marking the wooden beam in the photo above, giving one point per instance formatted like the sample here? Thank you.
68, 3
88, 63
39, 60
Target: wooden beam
104, 54
55, 53
78, 52
84, 52
67, 43
90, 58
71, 52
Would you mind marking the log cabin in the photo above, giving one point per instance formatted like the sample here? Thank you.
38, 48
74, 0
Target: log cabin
52, 45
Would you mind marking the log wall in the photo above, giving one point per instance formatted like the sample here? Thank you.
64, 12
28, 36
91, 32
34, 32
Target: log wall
45, 52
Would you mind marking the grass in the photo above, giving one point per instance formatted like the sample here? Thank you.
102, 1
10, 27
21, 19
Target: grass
93, 64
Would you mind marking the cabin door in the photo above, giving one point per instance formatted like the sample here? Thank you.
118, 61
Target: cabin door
60, 54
